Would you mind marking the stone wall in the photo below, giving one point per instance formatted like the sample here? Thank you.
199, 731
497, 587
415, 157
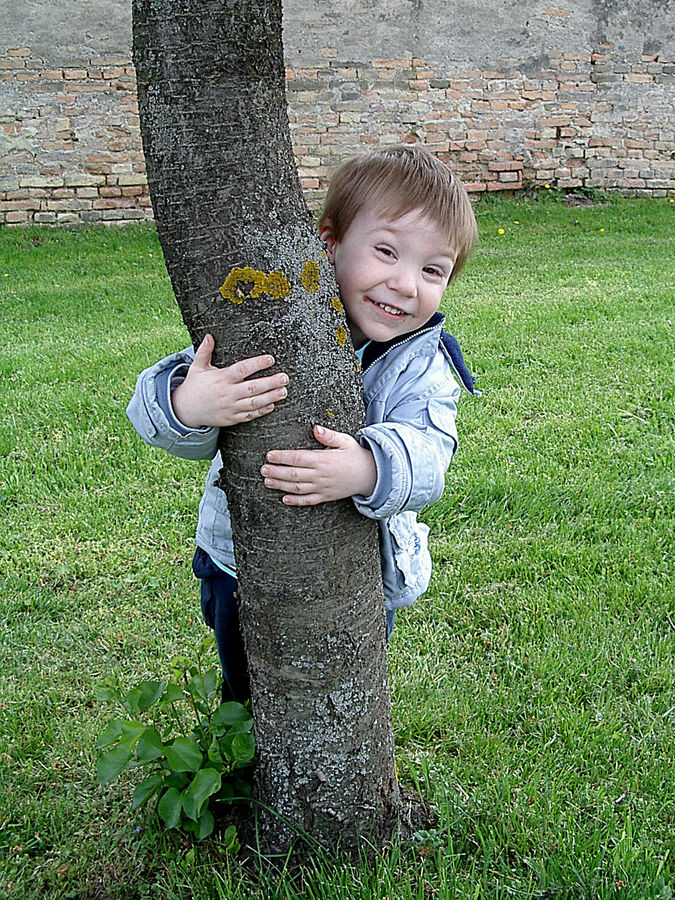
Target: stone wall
520, 94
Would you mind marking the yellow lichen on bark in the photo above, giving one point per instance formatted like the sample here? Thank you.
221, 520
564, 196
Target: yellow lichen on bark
257, 282
341, 335
337, 304
231, 287
310, 276
278, 285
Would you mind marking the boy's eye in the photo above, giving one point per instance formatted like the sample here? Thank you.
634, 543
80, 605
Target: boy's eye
430, 270
385, 250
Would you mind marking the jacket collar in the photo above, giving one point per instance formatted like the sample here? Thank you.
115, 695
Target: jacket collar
376, 350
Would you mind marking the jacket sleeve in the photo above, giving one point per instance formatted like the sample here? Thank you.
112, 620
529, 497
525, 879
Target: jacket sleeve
152, 416
414, 444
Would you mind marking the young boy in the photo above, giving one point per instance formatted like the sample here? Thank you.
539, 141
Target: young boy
397, 226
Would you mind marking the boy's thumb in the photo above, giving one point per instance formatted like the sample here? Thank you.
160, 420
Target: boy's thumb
203, 353
326, 437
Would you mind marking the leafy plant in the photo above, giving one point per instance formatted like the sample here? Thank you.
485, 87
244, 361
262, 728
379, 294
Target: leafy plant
197, 751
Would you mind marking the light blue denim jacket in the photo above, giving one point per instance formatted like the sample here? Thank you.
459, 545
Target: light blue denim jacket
410, 395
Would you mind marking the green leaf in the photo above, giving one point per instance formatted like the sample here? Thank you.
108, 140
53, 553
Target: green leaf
226, 741
196, 687
172, 694
151, 691
131, 731
211, 683
177, 780
149, 746
205, 825
169, 807
107, 691
243, 748
184, 755
110, 735
230, 713
112, 763
131, 700
208, 642
214, 751
145, 790
181, 664
205, 783
231, 839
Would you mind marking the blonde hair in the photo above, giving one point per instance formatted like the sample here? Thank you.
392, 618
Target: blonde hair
396, 181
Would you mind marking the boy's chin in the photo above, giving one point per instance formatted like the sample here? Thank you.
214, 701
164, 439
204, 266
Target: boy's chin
380, 332
383, 333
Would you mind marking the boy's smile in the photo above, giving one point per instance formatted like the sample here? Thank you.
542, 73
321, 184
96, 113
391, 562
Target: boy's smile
392, 272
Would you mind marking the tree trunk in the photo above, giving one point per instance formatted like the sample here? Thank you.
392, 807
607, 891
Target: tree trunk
247, 266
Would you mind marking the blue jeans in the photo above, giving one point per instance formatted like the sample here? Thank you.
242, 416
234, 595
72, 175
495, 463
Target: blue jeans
219, 608
220, 612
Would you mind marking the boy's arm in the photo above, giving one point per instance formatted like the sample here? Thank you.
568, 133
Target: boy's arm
405, 457
412, 450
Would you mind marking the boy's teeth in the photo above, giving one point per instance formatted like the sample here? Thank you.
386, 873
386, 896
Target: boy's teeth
390, 309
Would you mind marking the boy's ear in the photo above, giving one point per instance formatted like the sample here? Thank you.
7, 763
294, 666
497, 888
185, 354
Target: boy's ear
326, 235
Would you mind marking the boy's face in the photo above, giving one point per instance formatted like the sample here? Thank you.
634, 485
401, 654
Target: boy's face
391, 273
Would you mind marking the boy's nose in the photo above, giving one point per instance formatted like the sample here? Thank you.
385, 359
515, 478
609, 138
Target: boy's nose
403, 281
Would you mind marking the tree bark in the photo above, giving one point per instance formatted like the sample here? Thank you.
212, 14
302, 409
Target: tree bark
246, 265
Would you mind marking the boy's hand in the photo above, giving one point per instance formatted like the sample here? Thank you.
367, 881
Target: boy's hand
220, 397
343, 469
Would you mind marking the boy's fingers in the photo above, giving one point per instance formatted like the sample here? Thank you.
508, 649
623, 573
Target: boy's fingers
300, 458
284, 475
246, 367
258, 411
299, 491
291, 487
273, 385
302, 499
262, 401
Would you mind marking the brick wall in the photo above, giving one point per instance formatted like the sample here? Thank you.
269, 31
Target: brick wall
70, 147
498, 129
70, 150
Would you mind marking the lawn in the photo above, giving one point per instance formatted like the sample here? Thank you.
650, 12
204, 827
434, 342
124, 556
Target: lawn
533, 687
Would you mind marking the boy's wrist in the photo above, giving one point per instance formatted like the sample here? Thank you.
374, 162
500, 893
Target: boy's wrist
181, 410
167, 383
367, 480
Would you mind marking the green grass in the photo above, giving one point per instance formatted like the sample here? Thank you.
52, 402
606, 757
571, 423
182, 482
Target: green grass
533, 687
